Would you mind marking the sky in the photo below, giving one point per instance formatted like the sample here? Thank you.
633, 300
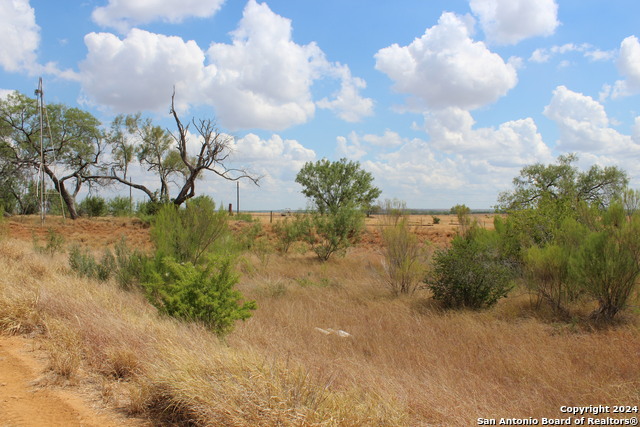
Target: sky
443, 101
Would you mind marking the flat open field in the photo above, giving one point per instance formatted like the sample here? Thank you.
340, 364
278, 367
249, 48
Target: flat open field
106, 231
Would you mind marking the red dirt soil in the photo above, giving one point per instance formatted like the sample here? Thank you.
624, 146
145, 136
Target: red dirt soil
24, 403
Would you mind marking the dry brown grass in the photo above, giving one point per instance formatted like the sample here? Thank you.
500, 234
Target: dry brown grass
174, 372
440, 368
405, 363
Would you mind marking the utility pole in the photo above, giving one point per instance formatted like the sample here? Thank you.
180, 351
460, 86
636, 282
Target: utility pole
41, 182
237, 197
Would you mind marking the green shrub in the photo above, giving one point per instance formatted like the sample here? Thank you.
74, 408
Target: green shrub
290, 231
54, 242
106, 267
463, 213
119, 206
248, 236
56, 205
405, 258
607, 264
198, 293
187, 234
335, 232
82, 262
436, 220
93, 206
147, 210
546, 268
128, 264
471, 273
243, 216
3, 223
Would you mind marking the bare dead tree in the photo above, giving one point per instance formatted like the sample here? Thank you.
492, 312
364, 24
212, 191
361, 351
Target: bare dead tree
166, 154
213, 152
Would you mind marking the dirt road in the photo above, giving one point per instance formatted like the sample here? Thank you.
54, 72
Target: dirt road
22, 403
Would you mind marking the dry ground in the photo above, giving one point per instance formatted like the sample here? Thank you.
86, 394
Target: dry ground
404, 363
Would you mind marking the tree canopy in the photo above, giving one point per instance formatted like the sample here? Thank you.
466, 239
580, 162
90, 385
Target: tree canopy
79, 152
331, 185
73, 141
563, 181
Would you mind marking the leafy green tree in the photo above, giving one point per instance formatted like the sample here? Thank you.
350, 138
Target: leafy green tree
544, 196
73, 142
132, 136
123, 150
331, 185
540, 183
631, 201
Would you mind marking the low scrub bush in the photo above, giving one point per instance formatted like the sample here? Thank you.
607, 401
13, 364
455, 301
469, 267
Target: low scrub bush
187, 234
471, 273
405, 259
128, 264
333, 233
3, 224
547, 268
198, 293
82, 262
607, 264
290, 231
146, 210
119, 206
93, 206
54, 243
243, 216
125, 266
597, 255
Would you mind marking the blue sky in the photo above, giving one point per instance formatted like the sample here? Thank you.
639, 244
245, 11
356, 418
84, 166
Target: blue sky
442, 101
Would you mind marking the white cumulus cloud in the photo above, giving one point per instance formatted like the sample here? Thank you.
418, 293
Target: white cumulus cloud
447, 68
139, 72
125, 14
510, 21
388, 139
629, 66
349, 105
584, 125
262, 79
512, 144
20, 35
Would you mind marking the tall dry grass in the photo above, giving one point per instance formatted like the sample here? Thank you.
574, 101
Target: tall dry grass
171, 371
445, 368
404, 363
